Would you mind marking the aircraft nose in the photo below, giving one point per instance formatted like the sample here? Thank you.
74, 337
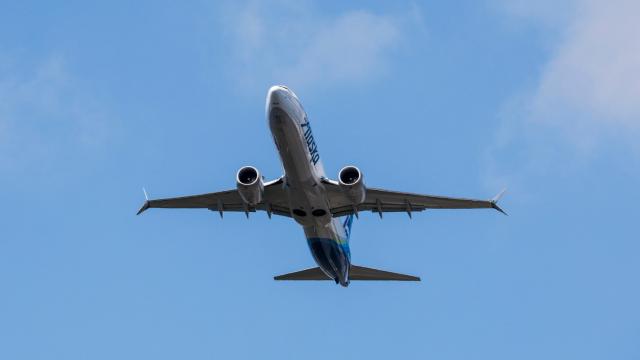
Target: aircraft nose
276, 95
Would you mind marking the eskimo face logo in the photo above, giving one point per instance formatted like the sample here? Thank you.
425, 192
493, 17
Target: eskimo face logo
311, 143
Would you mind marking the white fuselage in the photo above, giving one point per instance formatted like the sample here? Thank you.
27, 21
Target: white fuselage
304, 172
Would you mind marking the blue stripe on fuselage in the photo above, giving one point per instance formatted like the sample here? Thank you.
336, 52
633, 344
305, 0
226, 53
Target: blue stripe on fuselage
348, 221
332, 256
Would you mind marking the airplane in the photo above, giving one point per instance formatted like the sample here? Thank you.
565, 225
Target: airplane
323, 207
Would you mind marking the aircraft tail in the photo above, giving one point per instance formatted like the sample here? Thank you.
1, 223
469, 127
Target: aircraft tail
355, 273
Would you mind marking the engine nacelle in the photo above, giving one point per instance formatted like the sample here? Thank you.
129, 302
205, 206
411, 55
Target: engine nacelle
351, 182
250, 185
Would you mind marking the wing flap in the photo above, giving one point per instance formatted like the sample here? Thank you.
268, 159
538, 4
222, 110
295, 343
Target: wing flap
230, 198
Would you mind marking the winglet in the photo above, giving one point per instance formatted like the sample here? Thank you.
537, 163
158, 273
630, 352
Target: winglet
146, 204
494, 201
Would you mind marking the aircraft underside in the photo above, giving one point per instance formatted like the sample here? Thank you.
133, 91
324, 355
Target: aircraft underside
323, 207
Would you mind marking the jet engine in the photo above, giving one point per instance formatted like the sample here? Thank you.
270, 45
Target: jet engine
351, 182
250, 185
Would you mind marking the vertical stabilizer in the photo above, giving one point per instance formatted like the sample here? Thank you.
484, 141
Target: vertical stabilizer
348, 221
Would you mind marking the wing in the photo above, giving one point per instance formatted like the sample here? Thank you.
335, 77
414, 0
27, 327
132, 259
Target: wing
274, 201
379, 200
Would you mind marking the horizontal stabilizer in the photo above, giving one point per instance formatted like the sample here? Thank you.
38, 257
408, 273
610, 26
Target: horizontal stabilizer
364, 273
355, 273
307, 274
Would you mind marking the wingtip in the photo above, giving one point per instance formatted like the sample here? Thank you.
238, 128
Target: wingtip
146, 204
144, 207
494, 201
499, 196
495, 206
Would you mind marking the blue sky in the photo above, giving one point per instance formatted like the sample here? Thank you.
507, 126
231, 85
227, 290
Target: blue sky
452, 98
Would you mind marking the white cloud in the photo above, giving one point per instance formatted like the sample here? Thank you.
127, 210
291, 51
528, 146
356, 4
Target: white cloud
591, 85
584, 104
292, 42
597, 66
